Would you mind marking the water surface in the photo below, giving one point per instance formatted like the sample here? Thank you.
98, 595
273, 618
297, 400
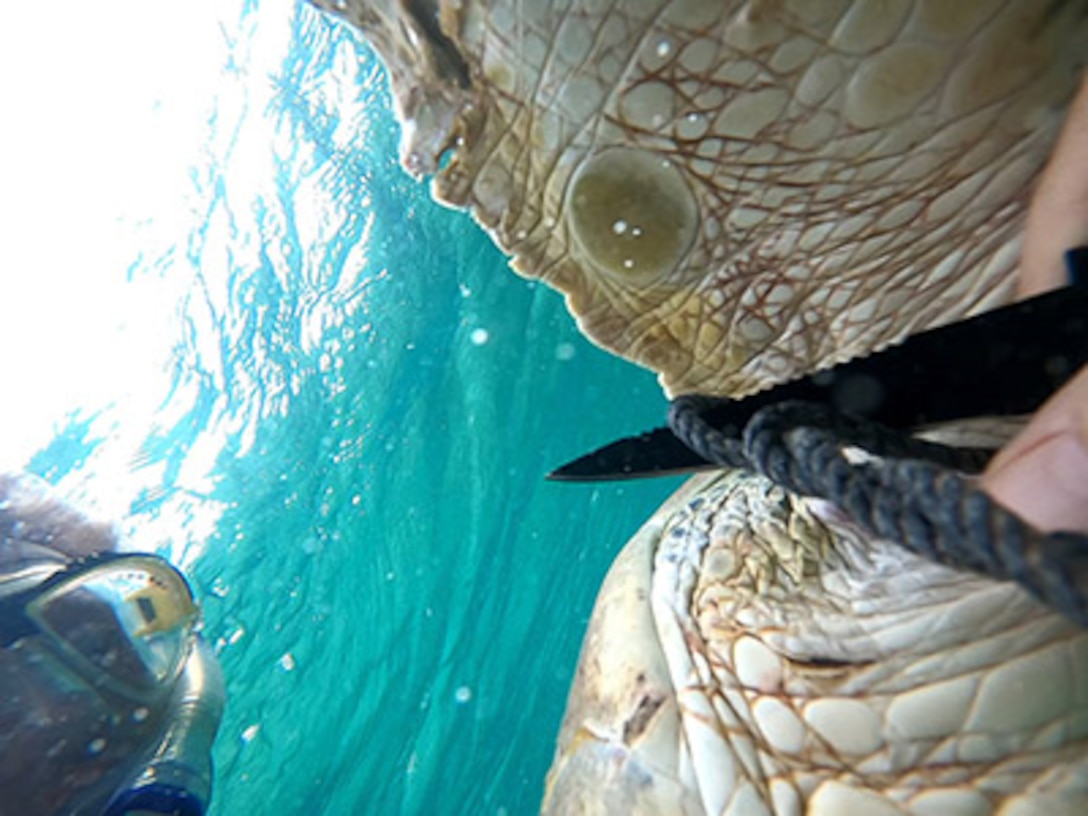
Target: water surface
343, 440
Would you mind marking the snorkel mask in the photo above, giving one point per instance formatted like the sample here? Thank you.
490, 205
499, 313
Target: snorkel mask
109, 698
124, 622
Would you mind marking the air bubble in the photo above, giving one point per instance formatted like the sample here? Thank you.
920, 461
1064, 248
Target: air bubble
564, 352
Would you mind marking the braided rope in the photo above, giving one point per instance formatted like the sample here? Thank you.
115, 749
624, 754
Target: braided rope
914, 493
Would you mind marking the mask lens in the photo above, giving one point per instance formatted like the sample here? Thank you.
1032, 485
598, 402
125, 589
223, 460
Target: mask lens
130, 619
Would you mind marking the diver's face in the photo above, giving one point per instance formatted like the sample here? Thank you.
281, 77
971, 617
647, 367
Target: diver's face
92, 645
65, 746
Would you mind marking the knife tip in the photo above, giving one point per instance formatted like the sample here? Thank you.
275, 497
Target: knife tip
572, 472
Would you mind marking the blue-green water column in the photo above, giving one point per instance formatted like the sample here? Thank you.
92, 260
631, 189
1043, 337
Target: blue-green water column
397, 594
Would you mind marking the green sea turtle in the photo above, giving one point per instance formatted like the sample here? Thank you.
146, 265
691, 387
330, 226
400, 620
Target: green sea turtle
732, 194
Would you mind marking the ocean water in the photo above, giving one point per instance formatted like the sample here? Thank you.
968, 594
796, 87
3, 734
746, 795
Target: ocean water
344, 443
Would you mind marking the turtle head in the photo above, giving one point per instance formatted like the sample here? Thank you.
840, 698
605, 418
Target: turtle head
735, 193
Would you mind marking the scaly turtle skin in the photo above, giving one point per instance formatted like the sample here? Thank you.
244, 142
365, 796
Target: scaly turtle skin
751, 652
733, 193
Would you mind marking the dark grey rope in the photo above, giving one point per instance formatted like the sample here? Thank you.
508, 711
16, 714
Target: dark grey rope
914, 493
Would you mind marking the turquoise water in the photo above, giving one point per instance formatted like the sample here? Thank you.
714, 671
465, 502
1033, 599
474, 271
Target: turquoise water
348, 457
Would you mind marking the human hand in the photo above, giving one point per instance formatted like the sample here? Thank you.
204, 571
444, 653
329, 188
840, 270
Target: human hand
1042, 475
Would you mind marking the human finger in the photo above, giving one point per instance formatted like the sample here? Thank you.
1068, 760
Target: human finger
1042, 475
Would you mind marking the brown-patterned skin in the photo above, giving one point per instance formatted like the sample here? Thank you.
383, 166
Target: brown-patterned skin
829, 174
751, 652
732, 193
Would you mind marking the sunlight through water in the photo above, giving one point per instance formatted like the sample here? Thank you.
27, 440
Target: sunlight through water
234, 323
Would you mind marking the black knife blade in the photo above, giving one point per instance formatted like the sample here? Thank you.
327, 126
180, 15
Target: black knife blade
1003, 362
648, 455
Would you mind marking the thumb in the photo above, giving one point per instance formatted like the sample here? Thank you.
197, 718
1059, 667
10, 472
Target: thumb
1042, 475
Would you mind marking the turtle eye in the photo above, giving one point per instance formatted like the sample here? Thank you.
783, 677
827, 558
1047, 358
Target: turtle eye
632, 213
